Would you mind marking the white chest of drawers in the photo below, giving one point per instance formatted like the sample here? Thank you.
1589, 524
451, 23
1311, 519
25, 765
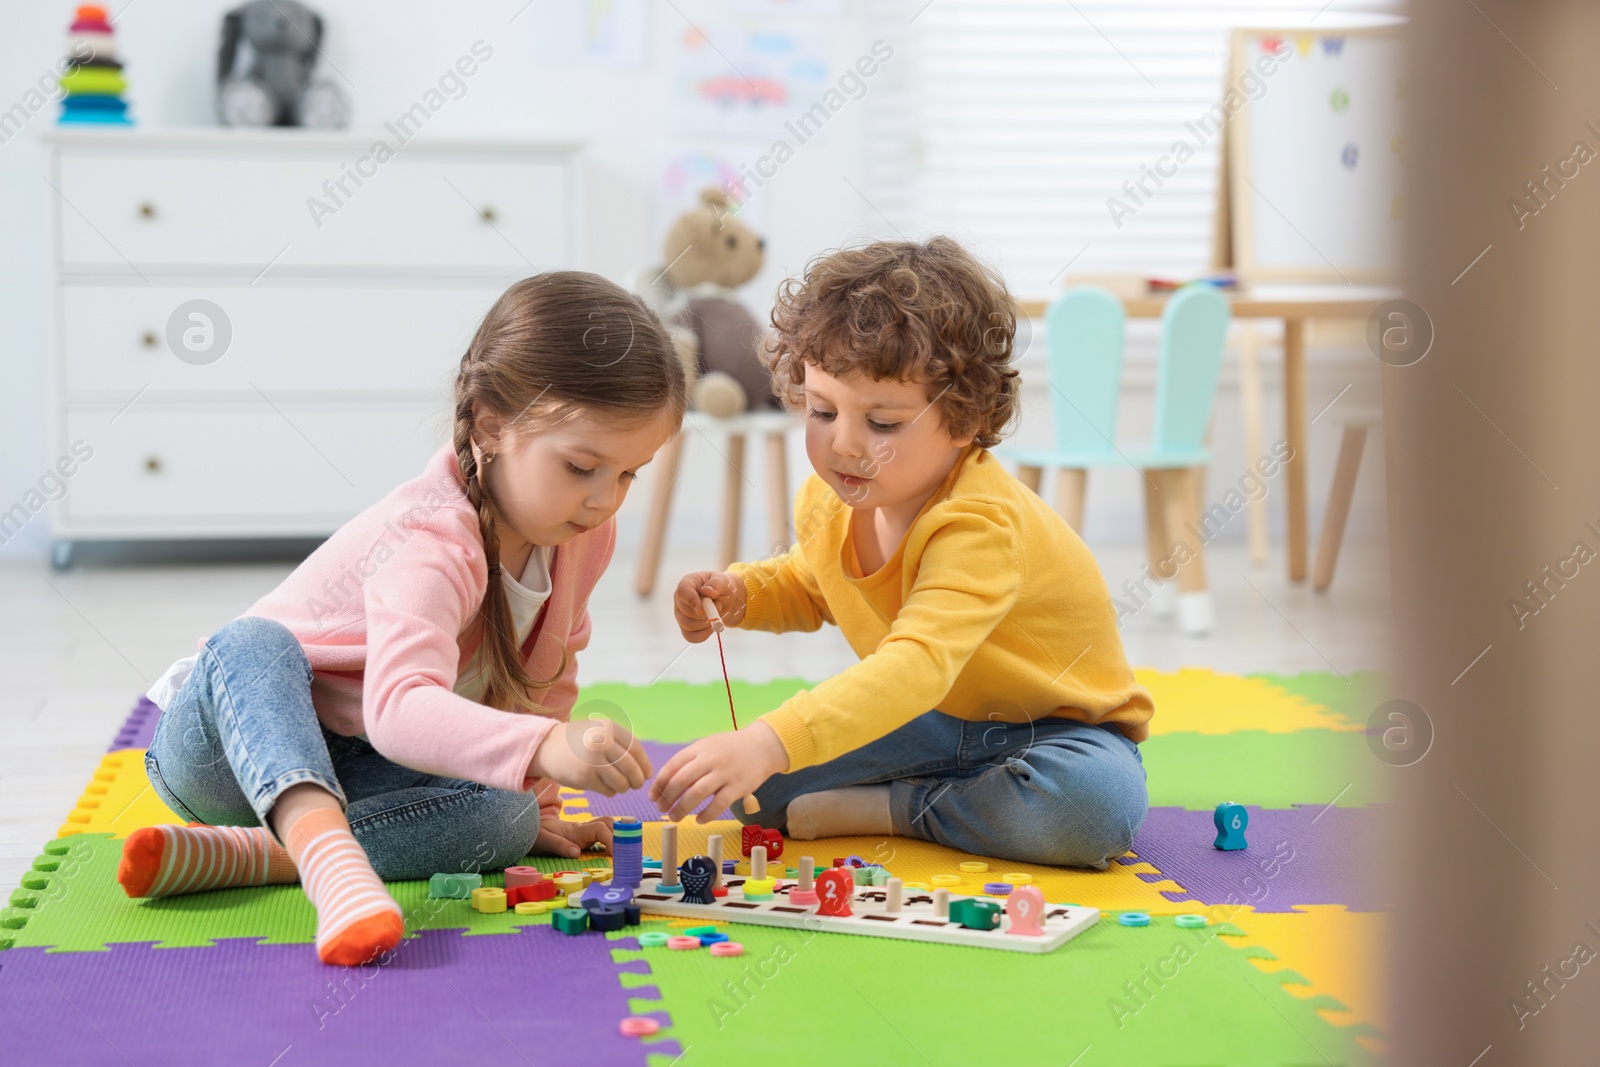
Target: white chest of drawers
254, 333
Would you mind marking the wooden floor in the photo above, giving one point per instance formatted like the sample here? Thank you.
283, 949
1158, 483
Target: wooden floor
79, 646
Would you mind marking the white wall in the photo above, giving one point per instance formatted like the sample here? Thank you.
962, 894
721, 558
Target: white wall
388, 56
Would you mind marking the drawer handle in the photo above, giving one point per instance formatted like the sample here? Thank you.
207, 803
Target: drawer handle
148, 339
147, 210
152, 464
486, 214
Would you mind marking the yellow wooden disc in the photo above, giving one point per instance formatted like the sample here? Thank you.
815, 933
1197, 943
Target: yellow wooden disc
974, 867
489, 900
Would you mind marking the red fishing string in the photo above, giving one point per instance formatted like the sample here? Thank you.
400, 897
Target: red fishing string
726, 684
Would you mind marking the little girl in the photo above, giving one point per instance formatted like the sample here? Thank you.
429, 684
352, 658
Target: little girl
398, 706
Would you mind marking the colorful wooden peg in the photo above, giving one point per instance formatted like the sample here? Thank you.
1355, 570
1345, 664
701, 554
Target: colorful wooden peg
454, 886
1231, 820
520, 876
751, 836
1025, 909
669, 859
602, 895
696, 877
520, 894
835, 887
714, 853
975, 914
805, 894
570, 920
490, 900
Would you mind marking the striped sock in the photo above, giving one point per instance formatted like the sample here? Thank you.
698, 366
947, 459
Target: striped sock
160, 861
357, 919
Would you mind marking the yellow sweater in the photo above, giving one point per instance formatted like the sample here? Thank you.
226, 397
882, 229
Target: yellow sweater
991, 608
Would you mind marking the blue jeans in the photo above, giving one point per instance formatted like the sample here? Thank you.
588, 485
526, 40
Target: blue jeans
243, 729
1053, 791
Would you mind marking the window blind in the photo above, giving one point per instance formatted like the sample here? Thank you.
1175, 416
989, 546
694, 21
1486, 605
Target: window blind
1009, 124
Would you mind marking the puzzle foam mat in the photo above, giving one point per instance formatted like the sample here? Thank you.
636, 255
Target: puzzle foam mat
1283, 974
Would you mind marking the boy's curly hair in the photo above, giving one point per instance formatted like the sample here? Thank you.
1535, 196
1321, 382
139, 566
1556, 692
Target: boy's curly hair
929, 313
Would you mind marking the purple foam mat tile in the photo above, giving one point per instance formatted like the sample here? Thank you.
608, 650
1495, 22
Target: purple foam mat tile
139, 726
636, 803
1305, 855
534, 996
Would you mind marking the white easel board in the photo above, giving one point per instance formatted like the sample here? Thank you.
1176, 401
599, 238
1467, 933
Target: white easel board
869, 916
1314, 156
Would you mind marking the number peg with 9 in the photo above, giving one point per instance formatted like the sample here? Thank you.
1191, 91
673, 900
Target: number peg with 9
1025, 909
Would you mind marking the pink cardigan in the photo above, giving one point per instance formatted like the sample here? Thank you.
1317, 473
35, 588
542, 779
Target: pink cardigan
385, 610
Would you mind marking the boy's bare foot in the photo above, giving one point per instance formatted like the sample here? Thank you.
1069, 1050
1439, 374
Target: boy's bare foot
851, 811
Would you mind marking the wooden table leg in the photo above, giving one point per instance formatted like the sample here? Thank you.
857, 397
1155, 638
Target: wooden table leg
655, 529
732, 501
1071, 486
1333, 523
778, 503
1294, 421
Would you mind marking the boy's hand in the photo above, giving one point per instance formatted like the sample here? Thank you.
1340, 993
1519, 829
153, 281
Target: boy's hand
596, 754
571, 839
721, 768
726, 590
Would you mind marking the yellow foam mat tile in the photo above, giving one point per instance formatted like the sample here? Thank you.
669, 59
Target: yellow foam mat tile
118, 799
1118, 889
1195, 700
1323, 952
574, 805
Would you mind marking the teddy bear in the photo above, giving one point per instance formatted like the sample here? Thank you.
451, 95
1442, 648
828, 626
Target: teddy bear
709, 254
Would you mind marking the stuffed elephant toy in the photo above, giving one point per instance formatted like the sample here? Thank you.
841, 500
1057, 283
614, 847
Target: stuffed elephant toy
284, 39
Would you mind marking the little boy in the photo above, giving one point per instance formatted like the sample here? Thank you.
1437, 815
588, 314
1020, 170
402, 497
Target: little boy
993, 709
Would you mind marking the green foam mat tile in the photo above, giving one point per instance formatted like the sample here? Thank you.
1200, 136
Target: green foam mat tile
680, 712
1186, 770
1354, 695
1114, 995
1311, 767
81, 908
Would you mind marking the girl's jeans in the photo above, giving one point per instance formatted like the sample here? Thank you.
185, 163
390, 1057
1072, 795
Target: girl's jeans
1053, 791
243, 729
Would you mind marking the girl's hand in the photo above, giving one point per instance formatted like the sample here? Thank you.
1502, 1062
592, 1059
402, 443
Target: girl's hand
571, 839
596, 754
726, 590
722, 768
